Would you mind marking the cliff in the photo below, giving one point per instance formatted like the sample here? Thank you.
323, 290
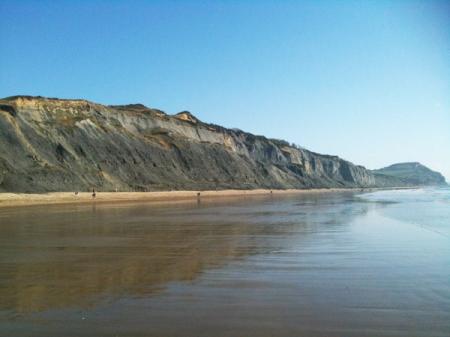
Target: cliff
51, 144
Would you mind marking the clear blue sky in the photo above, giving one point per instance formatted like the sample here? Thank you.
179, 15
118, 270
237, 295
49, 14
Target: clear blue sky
366, 80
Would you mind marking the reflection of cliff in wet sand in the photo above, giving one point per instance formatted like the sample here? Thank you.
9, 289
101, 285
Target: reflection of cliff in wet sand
78, 256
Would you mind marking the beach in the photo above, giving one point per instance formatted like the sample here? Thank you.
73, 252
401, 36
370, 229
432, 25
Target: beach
25, 199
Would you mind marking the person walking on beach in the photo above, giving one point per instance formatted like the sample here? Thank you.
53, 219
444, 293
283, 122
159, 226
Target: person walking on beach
93, 193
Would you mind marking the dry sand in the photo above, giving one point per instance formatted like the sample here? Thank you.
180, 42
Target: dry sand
19, 199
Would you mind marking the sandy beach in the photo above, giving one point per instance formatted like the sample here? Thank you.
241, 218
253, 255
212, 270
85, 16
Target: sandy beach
24, 199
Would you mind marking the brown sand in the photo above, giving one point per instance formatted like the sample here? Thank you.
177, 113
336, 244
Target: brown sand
21, 199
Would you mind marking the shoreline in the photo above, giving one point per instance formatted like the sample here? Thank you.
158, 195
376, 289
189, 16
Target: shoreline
57, 198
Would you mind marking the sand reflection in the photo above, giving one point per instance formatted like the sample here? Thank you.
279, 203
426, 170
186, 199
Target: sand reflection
68, 256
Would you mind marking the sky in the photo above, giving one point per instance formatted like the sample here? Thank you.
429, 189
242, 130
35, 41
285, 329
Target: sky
366, 80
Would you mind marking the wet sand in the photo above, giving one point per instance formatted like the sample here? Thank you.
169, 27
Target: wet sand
311, 264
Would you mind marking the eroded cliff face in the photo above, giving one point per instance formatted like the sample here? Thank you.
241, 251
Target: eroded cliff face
68, 145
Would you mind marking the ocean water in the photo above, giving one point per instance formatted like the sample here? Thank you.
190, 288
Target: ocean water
328, 264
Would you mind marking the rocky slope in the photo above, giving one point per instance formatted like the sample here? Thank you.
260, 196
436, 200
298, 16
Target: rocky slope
51, 144
410, 173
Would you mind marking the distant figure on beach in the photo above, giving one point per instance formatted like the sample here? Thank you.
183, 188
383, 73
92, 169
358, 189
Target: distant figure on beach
76, 193
93, 193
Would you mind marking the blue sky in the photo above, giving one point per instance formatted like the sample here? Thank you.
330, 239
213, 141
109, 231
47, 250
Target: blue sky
366, 80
